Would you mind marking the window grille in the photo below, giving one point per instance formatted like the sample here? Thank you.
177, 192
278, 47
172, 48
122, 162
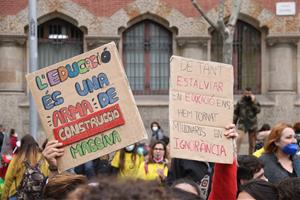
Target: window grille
246, 58
58, 40
147, 48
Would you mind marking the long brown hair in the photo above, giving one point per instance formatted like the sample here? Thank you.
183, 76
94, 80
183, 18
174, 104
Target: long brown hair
29, 150
59, 186
275, 136
122, 157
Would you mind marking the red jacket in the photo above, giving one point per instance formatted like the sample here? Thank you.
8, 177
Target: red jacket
224, 183
13, 142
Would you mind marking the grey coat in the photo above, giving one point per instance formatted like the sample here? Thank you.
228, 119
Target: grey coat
274, 172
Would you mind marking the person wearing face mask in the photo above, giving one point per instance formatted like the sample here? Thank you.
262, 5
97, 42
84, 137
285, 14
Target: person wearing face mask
280, 159
126, 162
157, 133
156, 168
261, 137
245, 118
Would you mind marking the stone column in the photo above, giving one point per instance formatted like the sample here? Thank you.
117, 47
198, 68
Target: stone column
193, 47
282, 64
298, 67
12, 63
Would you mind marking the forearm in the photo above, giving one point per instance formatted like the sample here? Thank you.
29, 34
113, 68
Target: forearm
224, 184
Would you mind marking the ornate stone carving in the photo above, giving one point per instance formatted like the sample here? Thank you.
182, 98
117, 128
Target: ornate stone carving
95, 41
283, 38
201, 41
18, 40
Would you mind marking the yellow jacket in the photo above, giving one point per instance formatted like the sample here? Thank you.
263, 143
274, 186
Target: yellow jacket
259, 152
14, 176
151, 172
130, 169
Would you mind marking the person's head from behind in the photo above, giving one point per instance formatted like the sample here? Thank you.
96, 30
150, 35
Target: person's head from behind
60, 185
249, 167
158, 152
29, 149
186, 187
296, 127
297, 131
265, 127
258, 189
107, 188
289, 189
282, 138
262, 135
155, 126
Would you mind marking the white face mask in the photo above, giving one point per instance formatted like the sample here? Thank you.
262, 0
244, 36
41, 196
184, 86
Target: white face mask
129, 148
155, 128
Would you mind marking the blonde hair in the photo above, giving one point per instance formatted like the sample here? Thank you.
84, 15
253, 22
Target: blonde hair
29, 150
59, 186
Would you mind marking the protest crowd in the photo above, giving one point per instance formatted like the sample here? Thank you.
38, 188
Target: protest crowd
145, 170
205, 162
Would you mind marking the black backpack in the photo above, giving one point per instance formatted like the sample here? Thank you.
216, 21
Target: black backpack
33, 182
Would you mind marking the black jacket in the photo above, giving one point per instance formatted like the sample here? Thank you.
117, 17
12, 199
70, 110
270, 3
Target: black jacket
197, 171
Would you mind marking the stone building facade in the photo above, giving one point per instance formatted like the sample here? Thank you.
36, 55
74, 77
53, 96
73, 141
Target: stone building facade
103, 21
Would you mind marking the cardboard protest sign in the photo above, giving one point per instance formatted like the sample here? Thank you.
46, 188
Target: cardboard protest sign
86, 103
201, 105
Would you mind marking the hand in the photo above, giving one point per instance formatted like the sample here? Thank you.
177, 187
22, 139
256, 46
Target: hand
160, 172
253, 97
52, 151
230, 131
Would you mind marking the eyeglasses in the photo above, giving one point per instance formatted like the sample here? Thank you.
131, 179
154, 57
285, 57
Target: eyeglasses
158, 149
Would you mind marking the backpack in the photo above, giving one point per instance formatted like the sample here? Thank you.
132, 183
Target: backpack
32, 184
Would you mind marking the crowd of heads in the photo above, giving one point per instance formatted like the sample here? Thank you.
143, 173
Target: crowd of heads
251, 180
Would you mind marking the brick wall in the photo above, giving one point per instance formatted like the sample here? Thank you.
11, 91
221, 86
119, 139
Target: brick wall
108, 7
11, 7
103, 7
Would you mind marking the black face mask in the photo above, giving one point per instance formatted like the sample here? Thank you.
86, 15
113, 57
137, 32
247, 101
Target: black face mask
247, 98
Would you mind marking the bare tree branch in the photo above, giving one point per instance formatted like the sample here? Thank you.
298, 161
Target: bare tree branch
236, 5
221, 10
226, 31
221, 28
200, 10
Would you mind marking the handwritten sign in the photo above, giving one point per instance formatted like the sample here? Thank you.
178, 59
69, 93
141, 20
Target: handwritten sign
201, 105
86, 103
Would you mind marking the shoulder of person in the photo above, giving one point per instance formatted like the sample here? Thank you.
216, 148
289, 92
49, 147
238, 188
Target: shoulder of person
297, 157
267, 157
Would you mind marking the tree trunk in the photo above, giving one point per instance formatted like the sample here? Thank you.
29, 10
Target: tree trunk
227, 31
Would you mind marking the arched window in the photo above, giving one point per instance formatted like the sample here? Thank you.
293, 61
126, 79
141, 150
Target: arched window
147, 47
246, 58
57, 41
